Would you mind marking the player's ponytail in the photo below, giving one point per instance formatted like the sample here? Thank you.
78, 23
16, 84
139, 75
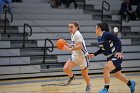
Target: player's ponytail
76, 25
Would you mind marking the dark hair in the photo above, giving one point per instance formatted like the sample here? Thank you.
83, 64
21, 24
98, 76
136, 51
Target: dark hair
75, 24
106, 28
103, 26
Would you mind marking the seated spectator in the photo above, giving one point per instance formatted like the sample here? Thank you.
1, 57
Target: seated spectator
135, 2
126, 10
7, 3
68, 2
55, 3
138, 11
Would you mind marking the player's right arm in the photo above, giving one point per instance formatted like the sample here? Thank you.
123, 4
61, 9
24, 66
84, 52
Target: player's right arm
92, 55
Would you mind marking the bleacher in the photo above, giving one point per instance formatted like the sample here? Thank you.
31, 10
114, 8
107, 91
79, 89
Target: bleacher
17, 61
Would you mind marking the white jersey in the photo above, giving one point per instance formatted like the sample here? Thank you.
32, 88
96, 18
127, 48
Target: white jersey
77, 37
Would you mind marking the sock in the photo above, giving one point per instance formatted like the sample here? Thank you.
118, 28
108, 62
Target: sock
129, 83
106, 86
71, 77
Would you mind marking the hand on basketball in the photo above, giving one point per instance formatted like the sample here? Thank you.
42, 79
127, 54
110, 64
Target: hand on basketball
60, 43
66, 48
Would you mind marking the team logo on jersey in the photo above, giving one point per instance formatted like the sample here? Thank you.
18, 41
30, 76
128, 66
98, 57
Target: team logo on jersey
113, 59
102, 47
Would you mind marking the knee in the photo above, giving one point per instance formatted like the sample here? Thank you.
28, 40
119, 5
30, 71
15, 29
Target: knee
117, 69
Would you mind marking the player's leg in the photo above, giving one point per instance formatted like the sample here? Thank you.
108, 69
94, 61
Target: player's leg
87, 79
121, 77
86, 76
106, 73
130, 83
69, 65
117, 73
83, 62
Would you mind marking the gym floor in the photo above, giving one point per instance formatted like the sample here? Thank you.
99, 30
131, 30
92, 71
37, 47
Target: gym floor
56, 84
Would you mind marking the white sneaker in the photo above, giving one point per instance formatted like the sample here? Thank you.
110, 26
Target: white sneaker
88, 88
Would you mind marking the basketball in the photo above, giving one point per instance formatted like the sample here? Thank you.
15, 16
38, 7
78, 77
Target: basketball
60, 43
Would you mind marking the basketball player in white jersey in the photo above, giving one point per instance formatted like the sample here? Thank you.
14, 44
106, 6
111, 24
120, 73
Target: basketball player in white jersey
79, 56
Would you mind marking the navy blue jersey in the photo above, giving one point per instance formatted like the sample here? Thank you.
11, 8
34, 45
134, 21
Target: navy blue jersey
109, 44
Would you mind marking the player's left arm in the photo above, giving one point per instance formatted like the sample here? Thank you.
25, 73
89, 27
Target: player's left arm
117, 44
116, 41
77, 46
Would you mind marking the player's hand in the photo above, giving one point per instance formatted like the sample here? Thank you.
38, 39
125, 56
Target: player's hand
90, 56
119, 55
71, 45
66, 48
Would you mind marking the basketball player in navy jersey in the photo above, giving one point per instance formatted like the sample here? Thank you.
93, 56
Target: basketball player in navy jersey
111, 47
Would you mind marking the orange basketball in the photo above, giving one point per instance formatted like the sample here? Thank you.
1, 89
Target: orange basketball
60, 43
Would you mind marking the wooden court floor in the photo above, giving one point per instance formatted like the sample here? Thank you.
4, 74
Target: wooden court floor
55, 85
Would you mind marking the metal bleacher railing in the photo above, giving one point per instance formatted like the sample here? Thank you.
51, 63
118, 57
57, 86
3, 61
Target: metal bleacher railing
104, 8
25, 33
49, 48
84, 4
121, 24
6, 19
126, 19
